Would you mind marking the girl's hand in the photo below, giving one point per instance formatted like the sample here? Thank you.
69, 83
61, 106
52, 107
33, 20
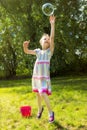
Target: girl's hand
52, 19
26, 43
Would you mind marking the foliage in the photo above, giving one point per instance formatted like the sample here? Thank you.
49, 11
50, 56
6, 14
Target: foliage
23, 20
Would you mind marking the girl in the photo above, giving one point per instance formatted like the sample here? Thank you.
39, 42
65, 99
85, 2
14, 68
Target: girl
41, 75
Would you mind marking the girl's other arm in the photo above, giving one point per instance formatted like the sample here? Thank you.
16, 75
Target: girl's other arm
26, 50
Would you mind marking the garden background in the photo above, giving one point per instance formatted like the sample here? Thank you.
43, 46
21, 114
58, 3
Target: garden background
24, 20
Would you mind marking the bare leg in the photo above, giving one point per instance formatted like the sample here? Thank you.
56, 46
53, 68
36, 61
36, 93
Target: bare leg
46, 99
51, 113
39, 102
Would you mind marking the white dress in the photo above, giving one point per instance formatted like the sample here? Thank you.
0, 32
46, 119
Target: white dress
41, 74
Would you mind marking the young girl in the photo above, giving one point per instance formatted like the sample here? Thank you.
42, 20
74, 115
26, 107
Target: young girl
41, 76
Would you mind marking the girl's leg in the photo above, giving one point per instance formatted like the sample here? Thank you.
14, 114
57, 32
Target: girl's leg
51, 113
46, 99
39, 102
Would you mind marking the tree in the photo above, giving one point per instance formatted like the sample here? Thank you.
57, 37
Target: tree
29, 23
9, 46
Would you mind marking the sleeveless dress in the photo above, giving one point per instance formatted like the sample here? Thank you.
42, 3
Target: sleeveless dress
41, 73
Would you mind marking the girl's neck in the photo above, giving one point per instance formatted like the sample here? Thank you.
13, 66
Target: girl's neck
44, 49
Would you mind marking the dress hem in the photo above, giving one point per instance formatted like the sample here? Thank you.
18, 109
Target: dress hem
42, 91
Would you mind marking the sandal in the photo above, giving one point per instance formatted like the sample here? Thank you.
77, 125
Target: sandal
40, 113
51, 118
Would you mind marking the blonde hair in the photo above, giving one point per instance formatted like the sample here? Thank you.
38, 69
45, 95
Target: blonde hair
45, 34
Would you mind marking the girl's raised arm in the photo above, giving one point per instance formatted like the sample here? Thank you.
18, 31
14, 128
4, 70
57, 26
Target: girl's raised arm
52, 22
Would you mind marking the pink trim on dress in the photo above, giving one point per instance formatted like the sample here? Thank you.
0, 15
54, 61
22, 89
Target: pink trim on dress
35, 90
42, 62
42, 91
41, 77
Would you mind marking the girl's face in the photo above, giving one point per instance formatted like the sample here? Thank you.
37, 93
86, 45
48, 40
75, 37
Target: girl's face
45, 42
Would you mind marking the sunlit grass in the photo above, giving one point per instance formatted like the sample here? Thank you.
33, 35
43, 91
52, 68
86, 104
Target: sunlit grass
68, 100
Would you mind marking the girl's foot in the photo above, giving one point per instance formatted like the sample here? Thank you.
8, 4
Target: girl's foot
40, 113
51, 118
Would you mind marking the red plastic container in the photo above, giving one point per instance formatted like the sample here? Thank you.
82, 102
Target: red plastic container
25, 111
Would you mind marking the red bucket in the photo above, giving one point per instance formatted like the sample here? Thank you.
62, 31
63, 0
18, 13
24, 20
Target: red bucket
25, 111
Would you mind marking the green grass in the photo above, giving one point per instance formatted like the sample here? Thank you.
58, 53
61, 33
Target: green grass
68, 100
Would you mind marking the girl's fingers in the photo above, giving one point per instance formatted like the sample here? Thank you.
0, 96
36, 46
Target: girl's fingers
52, 17
26, 43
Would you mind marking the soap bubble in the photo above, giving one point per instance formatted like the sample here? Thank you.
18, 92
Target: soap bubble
82, 25
48, 9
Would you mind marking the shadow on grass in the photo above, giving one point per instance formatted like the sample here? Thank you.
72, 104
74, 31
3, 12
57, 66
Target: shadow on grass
18, 86
58, 126
70, 83
15, 83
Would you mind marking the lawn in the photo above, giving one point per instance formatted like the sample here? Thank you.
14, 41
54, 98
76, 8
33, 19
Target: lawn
68, 100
